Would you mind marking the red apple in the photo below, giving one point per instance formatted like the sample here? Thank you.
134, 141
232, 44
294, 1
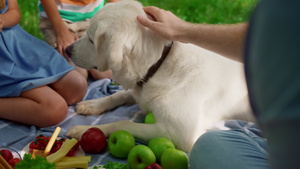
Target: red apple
93, 141
153, 166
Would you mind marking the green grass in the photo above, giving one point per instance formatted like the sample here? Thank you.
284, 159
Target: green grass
207, 11
30, 18
196, 11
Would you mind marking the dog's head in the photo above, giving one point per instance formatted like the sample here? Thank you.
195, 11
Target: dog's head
116, 41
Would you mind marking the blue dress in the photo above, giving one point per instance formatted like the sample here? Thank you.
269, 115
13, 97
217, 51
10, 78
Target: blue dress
27, 62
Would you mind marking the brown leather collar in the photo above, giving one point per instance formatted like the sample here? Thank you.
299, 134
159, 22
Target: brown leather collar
155, 67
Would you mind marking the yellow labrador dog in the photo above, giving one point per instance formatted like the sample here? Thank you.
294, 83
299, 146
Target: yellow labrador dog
186, 87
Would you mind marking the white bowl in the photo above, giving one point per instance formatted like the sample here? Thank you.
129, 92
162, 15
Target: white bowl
14, 152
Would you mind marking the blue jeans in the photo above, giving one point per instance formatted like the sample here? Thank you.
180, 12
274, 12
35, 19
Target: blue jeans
240, 146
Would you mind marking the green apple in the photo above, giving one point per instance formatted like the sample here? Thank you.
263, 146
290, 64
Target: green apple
150, 119
140, 157
174, 159
120, 143
158, 145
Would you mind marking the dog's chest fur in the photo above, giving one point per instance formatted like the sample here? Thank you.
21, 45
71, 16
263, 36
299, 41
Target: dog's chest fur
192, 89
196, 86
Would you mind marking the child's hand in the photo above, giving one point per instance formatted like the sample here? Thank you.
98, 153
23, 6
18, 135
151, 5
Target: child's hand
64, 39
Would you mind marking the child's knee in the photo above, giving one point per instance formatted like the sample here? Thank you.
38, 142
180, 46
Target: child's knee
54, 113
72, 87
59, 113
77, 91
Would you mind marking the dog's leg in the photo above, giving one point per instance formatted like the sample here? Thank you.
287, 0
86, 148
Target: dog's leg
99, 106
140, 131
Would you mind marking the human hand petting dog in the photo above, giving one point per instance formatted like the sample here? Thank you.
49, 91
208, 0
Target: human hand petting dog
164, 23
226, 40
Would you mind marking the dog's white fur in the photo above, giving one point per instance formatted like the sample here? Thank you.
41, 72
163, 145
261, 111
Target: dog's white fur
191, 90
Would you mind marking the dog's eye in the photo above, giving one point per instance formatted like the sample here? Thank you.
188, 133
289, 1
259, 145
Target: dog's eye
90, 40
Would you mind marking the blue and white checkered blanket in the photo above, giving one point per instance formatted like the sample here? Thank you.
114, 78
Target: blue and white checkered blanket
17, 136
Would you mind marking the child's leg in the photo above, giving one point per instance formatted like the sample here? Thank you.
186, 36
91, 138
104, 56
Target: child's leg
82, 71
72, 87
40, 106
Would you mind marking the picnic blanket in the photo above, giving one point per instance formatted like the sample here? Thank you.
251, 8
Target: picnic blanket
16, 136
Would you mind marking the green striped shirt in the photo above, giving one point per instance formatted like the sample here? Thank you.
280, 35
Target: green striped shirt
73, 12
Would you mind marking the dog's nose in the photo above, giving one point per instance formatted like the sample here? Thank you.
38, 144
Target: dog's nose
68, 50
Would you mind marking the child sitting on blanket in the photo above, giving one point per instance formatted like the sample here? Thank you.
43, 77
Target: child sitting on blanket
64, 21
36, 83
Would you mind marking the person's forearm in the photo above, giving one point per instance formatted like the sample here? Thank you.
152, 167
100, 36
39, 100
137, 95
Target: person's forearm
226, 40
54, 16
12, 16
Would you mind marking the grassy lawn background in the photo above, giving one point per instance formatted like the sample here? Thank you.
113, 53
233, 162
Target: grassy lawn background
196, 11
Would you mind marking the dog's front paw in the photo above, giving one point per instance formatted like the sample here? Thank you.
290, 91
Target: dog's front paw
77, 131
89, 107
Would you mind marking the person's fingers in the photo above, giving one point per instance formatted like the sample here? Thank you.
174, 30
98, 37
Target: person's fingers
153, 16
152, 10
65, 55
144, 21
60, 50
76, 37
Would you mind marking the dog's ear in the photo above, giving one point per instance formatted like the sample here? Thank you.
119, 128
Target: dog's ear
110, 45
115, 54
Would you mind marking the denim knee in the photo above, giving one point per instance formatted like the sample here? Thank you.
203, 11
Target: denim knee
227, 149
